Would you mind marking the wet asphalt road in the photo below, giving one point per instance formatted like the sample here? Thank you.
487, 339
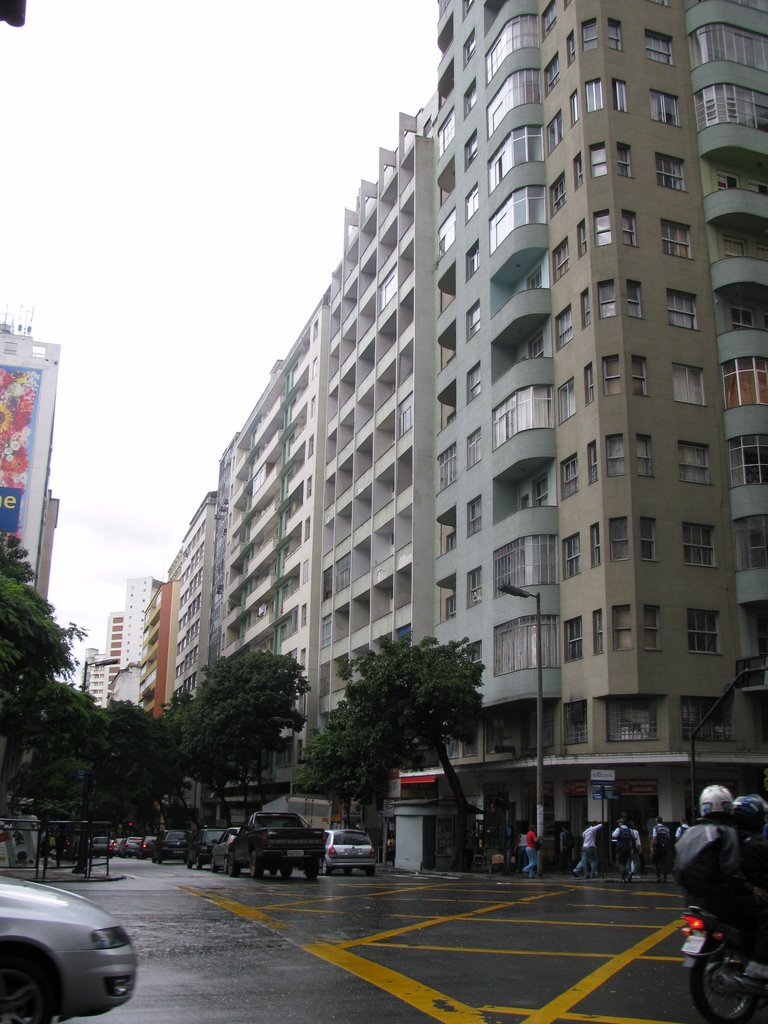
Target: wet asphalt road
474, 949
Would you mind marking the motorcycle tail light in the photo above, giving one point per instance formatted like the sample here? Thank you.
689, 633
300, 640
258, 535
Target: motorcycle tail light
718, 935
695, 923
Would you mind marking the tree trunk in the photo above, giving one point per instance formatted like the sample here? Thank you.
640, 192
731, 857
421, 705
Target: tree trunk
462, 808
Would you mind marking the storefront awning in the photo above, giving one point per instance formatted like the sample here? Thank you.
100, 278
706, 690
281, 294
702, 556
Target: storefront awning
414, 780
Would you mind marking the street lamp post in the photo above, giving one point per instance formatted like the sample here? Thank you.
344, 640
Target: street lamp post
507, 588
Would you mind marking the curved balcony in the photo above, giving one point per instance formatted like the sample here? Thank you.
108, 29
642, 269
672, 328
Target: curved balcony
519, 315
746, 419
732, 344
730, 143
709, 12
520, 685
522, 247
733, 270
751, 586
525, 373
527, 451
749, 500
737, 209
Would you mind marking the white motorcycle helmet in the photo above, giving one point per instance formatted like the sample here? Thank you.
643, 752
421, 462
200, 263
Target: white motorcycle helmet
715, 800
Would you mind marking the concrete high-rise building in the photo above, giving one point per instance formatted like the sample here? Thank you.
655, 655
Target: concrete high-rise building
28, 378
138, 594
602, 287
195, 580
158, 656
219, 568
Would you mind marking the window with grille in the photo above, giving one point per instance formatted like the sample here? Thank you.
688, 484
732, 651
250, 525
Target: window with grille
718, 727
748, 459
575, 715
525, 562
631, 719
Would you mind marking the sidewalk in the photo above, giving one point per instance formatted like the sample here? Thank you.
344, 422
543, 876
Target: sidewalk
57, 875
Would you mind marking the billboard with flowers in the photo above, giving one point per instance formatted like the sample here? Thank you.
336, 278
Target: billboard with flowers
19, 396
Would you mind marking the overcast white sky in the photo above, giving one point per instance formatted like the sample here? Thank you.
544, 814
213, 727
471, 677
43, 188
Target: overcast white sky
173, 178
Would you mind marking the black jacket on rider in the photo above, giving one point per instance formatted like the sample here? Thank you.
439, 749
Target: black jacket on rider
725, 891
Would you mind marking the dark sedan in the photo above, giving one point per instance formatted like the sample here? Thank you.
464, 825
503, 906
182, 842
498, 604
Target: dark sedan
171, 845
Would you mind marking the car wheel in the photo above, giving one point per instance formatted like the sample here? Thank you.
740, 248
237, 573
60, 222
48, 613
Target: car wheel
199, 864
189, 864
312, 870
255, 869
287, 871
370, 871
27, 992
214, 866
233, 868
327, 869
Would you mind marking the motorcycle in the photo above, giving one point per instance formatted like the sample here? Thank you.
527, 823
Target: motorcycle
716, 955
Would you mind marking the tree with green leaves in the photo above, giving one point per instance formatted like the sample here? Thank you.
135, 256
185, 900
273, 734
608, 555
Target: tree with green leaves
341, 762
409, 697
239, 717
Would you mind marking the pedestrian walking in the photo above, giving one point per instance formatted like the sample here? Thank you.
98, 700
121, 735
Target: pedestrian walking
681, 829
624, 838
660, 843
590, 861
566, 848
531, 847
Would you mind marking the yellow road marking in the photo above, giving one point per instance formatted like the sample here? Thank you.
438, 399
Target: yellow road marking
240, 909
558, 1007
431, 1002
593, 1018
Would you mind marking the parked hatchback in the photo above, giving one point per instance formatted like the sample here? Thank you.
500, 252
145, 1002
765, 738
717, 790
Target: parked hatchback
60, 955
200, 846
171, 845
349, 848
219, 850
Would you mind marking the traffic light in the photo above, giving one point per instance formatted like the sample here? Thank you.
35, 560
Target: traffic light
13, 11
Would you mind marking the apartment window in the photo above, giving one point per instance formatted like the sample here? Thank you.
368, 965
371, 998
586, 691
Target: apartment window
733, 246
598, 636
719, 725
589, 384
594, 544
560, 259
470, 98
446, 462
525, 205
566, 401
523, 145
622, 627
474, 587
602, 227
473, 383
745, 381
681, 309
593, 91
624, 160
725, 180
474, 516
598, 162
552, 74
548, 18
326, 627
693, 462
570, 47
571, 556
388, 288
446, 133
614, 35
581, 238
670, 172
450, 606
446, 236
518, 33
519, 88
619, 89
473, 320
664, 108
472, 202
751, 542
647, 539
592, 462
742, 318
526, 409
688, 384
726, 42
611, 375
574, 105
618, 532
748, 459
576, 719
564, 327
578, 171
526, 562
569, 476
469, 47
343, 569
651, 627
614, 455
540, 489
534, 281
473, 259
658, 47
573, 639
631, 718
405, 415
606, 298
675, 239
474, 448
698, 544
639, 376
634, 299
703, 631
643, 455
589, 35
628, 228
470, 149
555, 132
557, 194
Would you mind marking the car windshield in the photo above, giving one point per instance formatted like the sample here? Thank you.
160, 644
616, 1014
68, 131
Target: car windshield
174, 835
351, 839
212, 835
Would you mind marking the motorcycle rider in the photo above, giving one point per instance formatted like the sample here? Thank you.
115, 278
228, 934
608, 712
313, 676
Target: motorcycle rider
708, 866
748, 817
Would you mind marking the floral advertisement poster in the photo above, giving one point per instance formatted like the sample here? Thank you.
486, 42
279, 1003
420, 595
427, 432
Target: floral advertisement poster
19, 393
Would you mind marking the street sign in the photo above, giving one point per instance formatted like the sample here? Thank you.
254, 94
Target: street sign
604, 793
602, 776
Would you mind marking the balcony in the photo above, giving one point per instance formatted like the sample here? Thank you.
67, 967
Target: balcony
737, 209
734, 270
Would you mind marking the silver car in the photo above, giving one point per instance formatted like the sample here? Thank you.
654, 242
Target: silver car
348, 848
60, 955
220, 847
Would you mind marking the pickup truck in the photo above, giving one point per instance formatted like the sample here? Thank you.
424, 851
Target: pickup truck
276, 841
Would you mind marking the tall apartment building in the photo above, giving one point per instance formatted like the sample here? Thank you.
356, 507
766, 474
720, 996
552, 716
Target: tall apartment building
158, 655
219, 568
28, 378
275, 511
379, 471
195, 578
601, 285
